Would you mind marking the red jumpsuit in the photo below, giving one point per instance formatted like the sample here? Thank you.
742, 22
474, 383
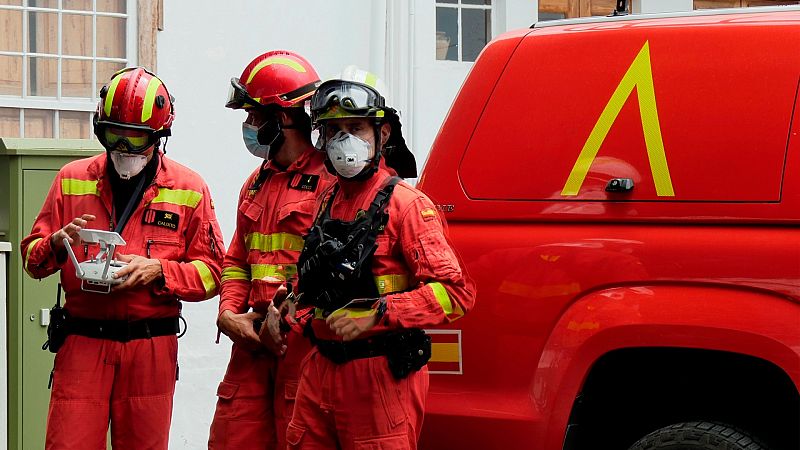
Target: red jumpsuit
256, 396
359, 404
131, 383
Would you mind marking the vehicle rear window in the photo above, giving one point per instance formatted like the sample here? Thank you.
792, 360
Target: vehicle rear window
687, 113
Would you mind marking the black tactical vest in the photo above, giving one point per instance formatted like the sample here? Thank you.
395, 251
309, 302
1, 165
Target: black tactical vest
335, 265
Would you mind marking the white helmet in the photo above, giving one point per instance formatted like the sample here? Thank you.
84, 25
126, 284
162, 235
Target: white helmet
359, 93
353, 73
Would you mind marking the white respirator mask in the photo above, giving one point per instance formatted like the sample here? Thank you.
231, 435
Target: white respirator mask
348, 154
128, 165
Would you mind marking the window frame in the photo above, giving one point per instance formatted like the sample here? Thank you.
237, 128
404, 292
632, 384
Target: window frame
459, 5
59, 102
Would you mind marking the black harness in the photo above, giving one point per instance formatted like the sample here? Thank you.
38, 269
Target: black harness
335, 265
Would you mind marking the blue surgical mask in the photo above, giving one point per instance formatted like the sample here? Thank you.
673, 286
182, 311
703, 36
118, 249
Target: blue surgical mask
250, 136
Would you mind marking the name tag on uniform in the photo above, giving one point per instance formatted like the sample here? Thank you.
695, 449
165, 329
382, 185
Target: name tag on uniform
304, 182
166, 219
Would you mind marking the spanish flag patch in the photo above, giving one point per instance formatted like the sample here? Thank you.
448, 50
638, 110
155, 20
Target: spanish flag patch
445, 352
428, 214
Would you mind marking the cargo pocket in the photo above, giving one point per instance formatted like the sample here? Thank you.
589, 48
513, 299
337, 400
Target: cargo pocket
162, 247
294, 436
251, 209
391, 442
389, 391
296, 216
435, 257
227, 390
241, 420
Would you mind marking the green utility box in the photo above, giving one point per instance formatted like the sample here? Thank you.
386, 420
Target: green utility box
27, 169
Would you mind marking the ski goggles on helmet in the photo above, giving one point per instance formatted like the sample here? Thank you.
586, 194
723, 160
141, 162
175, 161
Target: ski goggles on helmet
131, 139
338, 99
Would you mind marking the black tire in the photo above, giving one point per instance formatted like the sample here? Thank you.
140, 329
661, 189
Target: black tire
698, 436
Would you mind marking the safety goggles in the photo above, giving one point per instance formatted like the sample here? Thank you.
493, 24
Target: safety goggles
238, 97
355, 98
131, 139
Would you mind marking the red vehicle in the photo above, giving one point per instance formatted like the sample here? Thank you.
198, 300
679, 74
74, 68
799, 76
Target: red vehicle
626, 194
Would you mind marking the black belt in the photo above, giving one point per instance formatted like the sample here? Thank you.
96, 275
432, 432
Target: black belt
341, 352
122, 330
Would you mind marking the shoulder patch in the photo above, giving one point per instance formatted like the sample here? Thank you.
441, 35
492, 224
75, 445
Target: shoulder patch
428, 214
304, 182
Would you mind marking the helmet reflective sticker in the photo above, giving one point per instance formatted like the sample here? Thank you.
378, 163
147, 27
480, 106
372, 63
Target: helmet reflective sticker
279, 77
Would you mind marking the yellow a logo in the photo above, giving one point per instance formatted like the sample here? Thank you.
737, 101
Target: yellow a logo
640, 76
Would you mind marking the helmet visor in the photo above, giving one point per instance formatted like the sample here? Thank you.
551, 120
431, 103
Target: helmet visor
129, 139
238, 97
354, 98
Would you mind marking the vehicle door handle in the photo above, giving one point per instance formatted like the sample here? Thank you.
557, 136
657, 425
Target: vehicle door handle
619, 185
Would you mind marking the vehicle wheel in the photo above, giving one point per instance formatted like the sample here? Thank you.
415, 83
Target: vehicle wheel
698, 436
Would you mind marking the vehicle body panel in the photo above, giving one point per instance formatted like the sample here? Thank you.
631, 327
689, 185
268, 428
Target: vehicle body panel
565, 278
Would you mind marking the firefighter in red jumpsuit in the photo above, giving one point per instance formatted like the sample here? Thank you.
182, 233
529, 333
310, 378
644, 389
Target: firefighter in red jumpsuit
276, 206
378, 268
118, 363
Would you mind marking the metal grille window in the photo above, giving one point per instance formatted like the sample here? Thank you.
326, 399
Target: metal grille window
463, 28
55, 55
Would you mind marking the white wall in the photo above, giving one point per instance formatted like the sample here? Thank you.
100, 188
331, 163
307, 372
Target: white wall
206, 42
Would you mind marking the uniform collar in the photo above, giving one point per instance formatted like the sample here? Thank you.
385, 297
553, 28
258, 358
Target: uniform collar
306, 158
352, 188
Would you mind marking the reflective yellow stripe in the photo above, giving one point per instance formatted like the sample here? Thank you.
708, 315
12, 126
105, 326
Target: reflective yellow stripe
640, 76
206, 276
371, 79
112, 88
335, 112
386, 284
73, 186
235, 273
354, 313
178, 197
273, 242
391, 283
452, 312
351, 312
28, 254
150, 98
258, 271
274, 60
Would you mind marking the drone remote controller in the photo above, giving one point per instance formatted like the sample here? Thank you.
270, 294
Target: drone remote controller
96, 273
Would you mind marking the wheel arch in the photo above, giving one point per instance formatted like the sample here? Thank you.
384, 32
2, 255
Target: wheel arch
717, 318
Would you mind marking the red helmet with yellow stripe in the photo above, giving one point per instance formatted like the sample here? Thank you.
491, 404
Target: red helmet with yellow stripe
280, 77
134, 112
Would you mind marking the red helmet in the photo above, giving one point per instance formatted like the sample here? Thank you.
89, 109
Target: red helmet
279, 77
135, 110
